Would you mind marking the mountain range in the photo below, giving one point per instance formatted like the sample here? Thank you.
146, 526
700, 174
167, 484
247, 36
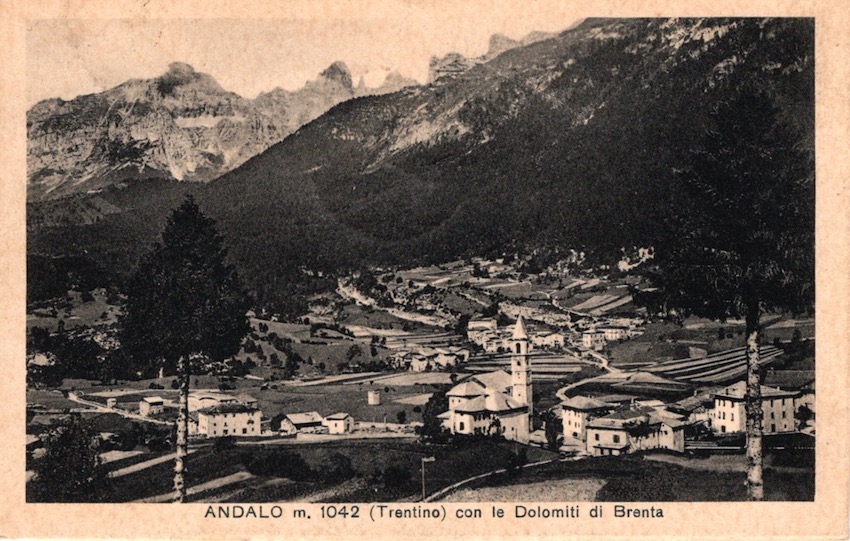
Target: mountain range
181, 125
569, 141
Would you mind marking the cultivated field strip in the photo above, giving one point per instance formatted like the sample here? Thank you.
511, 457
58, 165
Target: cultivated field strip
594, 302
607, 307
716, 368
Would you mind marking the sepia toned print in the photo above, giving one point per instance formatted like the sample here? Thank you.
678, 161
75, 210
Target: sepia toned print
353, 274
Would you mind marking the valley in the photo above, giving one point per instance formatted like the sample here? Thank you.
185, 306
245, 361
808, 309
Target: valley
555, 262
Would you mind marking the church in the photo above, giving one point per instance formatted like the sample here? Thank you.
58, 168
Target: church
495, 402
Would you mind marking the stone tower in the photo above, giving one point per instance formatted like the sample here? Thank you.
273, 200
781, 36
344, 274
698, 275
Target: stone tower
520, 367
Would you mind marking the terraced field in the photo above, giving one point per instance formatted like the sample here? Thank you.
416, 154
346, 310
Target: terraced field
544, 367
718, 368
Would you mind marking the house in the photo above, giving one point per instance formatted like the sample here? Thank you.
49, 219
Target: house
193, 423
421, 363
293, 423
548, 340
461, 354
614, 332
495, 402
778, 408
696, 409
481, 324
339, 423
576, 412
229, 419
594, 340
205, 399
802, 381
632, 430
151, 405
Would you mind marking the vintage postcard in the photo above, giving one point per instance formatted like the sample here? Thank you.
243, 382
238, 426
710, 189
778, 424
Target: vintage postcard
425, 268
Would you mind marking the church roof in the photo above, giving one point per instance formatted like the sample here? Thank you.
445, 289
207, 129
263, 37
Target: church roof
467, 388
519, 330
493, 402
497, 380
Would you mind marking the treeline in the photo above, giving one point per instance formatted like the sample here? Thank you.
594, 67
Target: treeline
51, 277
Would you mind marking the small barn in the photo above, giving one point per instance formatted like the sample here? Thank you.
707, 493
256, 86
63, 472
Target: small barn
293, 423
339, 423
151, 405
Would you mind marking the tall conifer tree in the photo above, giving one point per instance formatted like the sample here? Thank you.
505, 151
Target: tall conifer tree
739, 241
185, 304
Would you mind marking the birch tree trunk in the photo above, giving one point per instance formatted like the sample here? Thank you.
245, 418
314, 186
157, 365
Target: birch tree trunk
182, 430
753, 407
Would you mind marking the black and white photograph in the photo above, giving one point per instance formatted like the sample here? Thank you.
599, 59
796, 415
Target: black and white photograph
442, 256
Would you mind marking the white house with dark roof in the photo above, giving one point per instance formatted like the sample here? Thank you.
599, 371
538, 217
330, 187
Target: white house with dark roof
778, 408
339, 423
206, 399
310, 421
549, 340
593, 339
230, 419
151, 405
614, 332
576, 412
495, 401
634, 430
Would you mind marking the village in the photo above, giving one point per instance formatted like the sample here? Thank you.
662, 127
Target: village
567, 364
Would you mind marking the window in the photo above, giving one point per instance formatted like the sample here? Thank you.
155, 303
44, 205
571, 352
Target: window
773, 428
575, 434
460, 425
519, 348
596, 436
783, 413
732, 417
616, 438
783, 401
722, 428
772, 415
244, 430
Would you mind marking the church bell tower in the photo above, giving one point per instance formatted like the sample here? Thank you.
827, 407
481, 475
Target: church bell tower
520, 367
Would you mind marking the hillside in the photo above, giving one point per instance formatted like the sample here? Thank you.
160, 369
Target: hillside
182, 125
571, 141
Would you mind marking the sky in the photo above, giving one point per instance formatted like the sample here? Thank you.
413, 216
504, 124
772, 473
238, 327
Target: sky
68, 57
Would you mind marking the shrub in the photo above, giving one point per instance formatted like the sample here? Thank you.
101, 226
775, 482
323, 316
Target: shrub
338, 468
223, 443
71, 466
396, 476
279, 463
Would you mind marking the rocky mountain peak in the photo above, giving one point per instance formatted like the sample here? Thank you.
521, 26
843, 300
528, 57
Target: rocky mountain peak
181, 125
180, 74
338, 72
500, 43
448, 66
